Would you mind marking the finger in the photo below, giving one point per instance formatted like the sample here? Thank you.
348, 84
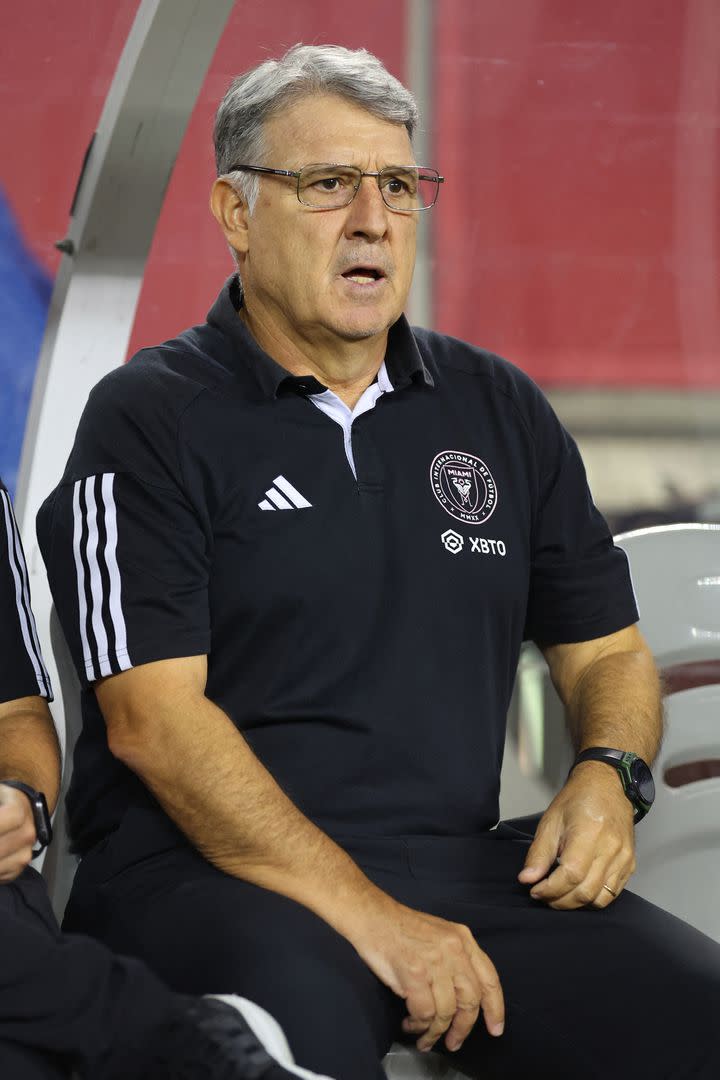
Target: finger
579, 879
412, 1026
584, 891
13, 815
565, 886
577, 858
17, 840
607, 894
541, 855
606, 865
467, 994
445, 1007
613, 884
492, 1001
420, 1004
468, 1010
13, 866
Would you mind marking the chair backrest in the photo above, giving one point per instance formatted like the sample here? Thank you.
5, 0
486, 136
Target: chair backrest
675, 571
678, 846
676, 574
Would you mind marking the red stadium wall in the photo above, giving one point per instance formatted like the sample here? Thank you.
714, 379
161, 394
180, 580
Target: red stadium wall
57, 62
578, 229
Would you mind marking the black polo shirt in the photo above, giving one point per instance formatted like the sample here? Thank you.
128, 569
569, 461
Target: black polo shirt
361, 630
22, 671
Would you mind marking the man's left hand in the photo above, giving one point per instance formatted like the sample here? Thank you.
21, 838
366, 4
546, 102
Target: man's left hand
584, 848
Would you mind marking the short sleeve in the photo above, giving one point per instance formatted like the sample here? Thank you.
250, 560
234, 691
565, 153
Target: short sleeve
125, 546
580, 586
22, 670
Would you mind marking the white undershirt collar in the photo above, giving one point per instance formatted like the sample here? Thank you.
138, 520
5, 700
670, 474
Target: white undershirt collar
334, 407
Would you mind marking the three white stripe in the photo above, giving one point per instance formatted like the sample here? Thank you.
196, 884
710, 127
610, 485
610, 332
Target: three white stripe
18, 568
101, 660
287, 498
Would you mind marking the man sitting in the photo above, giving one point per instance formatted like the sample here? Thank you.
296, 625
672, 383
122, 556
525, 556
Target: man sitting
295, 552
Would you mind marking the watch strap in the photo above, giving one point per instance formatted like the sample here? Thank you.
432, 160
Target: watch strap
620, 760
600, 753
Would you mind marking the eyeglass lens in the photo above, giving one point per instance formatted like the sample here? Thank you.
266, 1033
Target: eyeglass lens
328, 187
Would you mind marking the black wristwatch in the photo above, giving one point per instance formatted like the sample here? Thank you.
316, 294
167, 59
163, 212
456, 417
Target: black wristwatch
634, 773
41, 817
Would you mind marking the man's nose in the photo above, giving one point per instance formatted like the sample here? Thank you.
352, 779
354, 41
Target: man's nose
367, 214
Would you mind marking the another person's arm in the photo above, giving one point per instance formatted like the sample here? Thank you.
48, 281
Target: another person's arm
611, 690
29, 750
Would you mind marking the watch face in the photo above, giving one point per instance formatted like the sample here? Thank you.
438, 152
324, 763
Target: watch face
643, 780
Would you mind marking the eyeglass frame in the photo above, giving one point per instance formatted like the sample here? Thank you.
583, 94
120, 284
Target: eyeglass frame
437, 179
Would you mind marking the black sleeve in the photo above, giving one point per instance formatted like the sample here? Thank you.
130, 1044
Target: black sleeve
580, 585
125, 546
22, 671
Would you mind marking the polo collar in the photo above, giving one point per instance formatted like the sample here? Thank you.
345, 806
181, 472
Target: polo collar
403, 360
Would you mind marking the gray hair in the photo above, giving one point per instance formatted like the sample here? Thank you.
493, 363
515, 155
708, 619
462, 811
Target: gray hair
354, 74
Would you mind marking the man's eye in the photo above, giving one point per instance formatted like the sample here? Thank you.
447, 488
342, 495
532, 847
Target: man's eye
329, 183
404, 184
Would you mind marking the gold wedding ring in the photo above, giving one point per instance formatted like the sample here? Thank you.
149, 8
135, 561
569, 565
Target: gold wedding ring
611, 891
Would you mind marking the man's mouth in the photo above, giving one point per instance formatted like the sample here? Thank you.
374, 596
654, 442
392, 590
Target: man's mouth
363, 275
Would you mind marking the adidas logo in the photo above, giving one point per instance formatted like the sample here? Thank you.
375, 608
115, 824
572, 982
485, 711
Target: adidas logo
283, 496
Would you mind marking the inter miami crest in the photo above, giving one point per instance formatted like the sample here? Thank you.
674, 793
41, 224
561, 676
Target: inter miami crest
464, 486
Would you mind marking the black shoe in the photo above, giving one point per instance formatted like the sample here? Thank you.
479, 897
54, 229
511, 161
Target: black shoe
211, 1040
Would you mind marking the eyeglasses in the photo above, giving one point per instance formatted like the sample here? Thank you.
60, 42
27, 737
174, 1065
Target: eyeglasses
404, 188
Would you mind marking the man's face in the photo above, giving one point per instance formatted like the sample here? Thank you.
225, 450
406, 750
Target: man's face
299, 261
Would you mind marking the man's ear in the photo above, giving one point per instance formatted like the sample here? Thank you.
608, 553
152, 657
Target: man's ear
230, 210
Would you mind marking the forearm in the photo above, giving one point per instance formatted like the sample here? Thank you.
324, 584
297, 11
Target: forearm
583, 852
617, 702
29, 749
208, 780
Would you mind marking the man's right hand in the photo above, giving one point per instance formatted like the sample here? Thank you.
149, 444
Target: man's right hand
437, 967
208, 780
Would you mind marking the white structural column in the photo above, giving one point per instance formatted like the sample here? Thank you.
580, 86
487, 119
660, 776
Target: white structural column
419, 37
112, 222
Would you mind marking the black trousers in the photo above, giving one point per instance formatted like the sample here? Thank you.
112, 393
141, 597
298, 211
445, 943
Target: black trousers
67, 1003
618, 993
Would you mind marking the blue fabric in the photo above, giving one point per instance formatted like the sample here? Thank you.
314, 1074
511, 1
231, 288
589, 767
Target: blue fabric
25, 290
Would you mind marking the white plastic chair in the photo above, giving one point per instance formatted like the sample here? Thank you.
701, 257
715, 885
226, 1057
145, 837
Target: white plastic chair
676, 575
406, 1063
678, 845
675, 571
